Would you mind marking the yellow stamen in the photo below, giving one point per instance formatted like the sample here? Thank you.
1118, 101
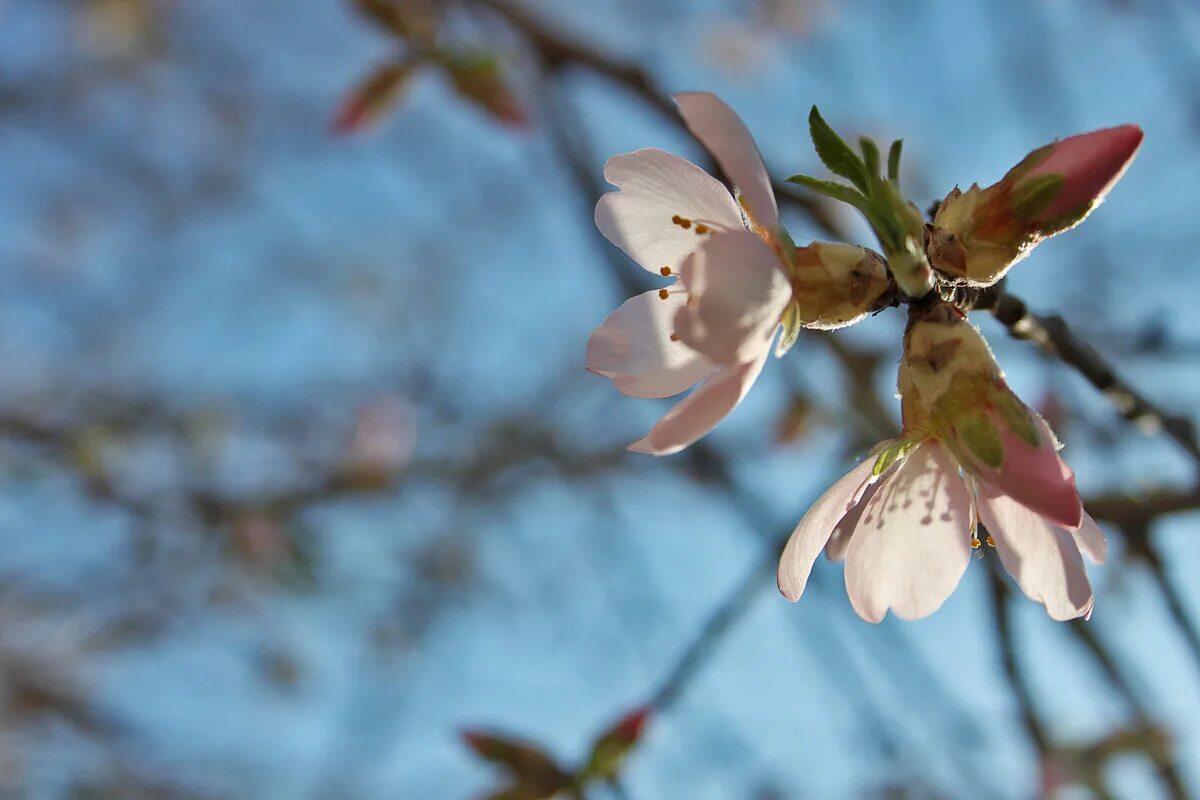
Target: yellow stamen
991, 542
665, 271
975, 543
663, 294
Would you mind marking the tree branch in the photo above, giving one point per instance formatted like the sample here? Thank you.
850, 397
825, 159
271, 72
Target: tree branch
557, 51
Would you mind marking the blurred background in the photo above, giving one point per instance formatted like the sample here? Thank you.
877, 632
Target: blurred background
303, 476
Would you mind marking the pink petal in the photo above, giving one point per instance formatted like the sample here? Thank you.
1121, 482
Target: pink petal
1090, 163
1042, 557
699, 412
835, 550
1091, 540
723, 134
815, 528
1036, 477
634, 348
655, 188
912, 545
737, 295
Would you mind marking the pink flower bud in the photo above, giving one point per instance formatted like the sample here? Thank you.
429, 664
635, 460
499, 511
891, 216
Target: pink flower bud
629, 728
372, 99
614, 745
1083, 168
979, 234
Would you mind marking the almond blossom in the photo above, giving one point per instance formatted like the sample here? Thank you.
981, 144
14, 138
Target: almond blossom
736, 274
906, 520
979, 234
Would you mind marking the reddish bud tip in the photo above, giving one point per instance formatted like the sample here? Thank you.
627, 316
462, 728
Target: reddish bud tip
630, 726
1090, 163
348, 119
473, 739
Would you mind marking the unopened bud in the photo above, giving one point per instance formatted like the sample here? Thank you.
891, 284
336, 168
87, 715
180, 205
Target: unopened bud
613, 746
904, 245
835, 284
629, 728
525, 760
979, 234
910, 268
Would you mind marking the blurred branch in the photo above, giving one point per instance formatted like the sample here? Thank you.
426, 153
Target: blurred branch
1008, 656
557, 51
1133, 516
1160, 755
1152, 557
1134, 512
1146, 740
1054, 337
728, 612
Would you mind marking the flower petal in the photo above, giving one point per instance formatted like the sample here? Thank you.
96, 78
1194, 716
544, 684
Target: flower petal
737, 295
912, 545
635, 349
1090, 164
1042, 557
1036, 477
835, 550
656, 187
723, 134
1091, 540
699, 412
815, 528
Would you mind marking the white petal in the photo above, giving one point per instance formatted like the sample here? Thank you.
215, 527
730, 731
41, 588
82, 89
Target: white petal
840, 540
634, 348
655, 187
699, 412
1091, 540
1042, 557
815, 528
912, 545
737, 295
723, 134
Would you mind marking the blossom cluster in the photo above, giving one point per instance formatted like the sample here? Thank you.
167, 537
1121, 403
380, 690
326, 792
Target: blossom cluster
972, 463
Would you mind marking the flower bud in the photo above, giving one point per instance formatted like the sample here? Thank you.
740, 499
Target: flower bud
979, 234
614, 745
910, 268
904, 245
952, 389
835, 284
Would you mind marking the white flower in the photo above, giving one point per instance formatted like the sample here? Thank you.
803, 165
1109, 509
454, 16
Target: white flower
713, 325
907, 536
971, 452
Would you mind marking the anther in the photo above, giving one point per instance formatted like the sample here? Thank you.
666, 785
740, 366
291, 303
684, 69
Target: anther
975, 543
674, 337
682, 222
665, 271
701, 230
991, 542
663, 294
